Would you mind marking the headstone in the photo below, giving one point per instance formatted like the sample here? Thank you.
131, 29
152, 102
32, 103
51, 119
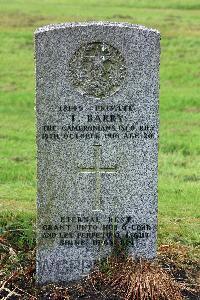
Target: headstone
97, 88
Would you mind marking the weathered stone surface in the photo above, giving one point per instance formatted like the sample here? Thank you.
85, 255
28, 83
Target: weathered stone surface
97, 136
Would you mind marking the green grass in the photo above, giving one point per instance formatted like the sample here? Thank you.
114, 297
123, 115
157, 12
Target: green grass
179, 167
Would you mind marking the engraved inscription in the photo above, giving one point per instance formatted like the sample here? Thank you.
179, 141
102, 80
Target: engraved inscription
97, 70
81, 230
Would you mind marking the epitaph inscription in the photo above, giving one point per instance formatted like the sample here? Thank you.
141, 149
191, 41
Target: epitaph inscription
97, 145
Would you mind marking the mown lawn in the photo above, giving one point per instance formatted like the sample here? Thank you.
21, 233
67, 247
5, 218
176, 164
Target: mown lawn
179, 163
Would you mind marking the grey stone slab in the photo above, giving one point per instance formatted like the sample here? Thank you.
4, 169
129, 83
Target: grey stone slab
97, 89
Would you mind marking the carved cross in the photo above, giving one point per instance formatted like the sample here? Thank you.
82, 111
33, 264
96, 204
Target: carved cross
98, 170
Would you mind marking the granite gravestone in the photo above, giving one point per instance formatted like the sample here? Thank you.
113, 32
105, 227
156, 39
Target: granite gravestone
97, 88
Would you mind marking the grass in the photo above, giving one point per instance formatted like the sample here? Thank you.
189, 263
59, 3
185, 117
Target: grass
179, 175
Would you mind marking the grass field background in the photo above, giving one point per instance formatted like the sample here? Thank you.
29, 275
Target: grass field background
179, 160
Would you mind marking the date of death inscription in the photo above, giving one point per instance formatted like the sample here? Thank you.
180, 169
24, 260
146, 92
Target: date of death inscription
102, 122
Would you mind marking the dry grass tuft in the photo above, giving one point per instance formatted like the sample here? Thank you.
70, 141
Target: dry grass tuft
116, 278
139, 280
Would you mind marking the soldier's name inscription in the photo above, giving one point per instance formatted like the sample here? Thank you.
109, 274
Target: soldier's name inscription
104, 121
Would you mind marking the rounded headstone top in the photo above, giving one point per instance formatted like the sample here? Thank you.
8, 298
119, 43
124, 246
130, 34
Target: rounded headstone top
51, 27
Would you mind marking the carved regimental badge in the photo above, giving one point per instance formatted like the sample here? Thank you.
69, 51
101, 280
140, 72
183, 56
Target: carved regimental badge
97, 70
